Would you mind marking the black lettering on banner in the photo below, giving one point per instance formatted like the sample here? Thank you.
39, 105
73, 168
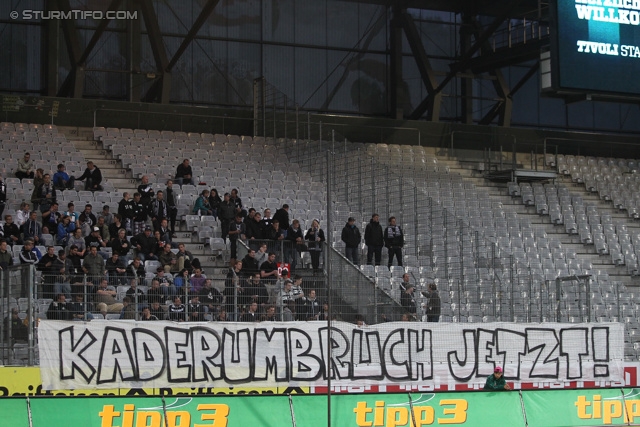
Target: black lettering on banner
271, 354
178, 354
150, 354
366, 357
420, 354
332, 358
71, 355
303, 365
600, 345
395, 361
513, 345
546, 342
573, 345
232, 343
118, 361
463, 369
486, 349
206, 348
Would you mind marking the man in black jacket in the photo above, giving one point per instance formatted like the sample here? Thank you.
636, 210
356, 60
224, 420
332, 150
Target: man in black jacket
407, 300
250, 263
282, 216
3, 195
172, 206
226, 213
184, 173
145, 243
351, 238
295, 241
374, 239
127, 212
92, 177
394, 241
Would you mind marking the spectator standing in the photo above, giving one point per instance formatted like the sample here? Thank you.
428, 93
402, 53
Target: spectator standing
294, 245
227, 213
214, 202
433, 303
146, 191
315, 236
394, 241
140, 214
158, 210
25, 167
407, 300
236, 231
3, 195
92, 177
374, 239
172, 206
127, 211
351, 238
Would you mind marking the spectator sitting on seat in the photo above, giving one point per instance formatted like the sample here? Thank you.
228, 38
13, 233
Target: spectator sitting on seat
135, 270
269, 314
210, 296
168, 259
165, 233
71, 211
120, 245
58, 309
93, 265
126, 210
214, 202
129, 309
62, 180
222, 316
32, 229
257, 291
6, 256
73, 268
311, 307
282, 216
87, 217
196, 282
252, 314
186, 260
145, 244
14, 324
158, 311
104, 230
92, 177
202, 206
140, 214
29, 254
134, 290
195, 309
145, 189
166, 281
177, 310
11, 231
78, 241
146, 314
51, 218
65, 230
38, 180
80, 310
107, 295
250, 263
23, 214
106, 215
116, 270
96, 240
25, 167
156, 293
184, 173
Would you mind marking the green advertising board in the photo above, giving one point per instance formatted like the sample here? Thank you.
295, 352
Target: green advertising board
14, 413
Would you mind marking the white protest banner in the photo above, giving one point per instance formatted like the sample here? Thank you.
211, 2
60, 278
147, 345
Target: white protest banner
101, 354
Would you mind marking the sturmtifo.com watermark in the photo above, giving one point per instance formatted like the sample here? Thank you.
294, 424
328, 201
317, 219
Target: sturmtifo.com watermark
74, 14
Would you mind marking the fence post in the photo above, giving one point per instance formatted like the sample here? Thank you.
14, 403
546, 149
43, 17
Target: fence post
30, 316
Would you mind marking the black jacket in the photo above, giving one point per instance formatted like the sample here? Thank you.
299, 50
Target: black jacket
227, 211
351, 236
373, 234
96, 175
254, 229
125, 209
282, 216
148, 244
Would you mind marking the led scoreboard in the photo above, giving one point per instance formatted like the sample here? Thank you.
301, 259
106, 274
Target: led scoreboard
595, 48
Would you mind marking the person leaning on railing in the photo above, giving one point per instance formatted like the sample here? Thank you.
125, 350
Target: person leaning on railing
496, 381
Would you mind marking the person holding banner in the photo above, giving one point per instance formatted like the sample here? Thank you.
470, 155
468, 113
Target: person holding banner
496, 381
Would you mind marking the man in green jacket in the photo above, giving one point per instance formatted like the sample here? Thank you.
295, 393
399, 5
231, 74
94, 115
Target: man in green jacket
496, 382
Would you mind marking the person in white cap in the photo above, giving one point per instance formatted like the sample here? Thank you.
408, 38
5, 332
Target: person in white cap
496, 381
